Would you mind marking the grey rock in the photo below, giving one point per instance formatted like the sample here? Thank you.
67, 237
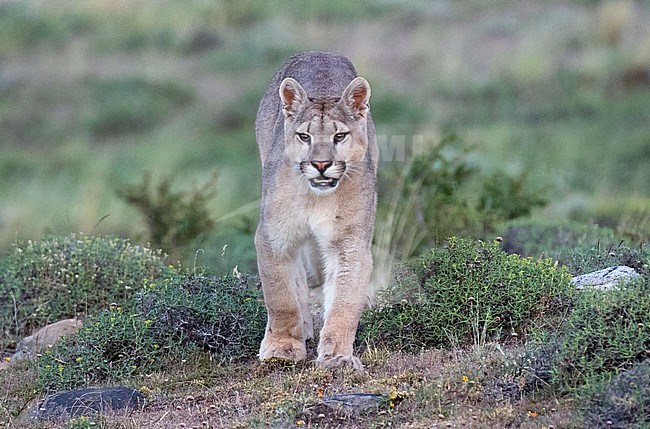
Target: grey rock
85, 402
354, 402
606, 279
343, 405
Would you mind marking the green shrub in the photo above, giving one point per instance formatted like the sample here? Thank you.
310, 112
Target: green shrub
174, 219
605, 332
60, 277
175, 317
112, 346
419, 203
519, 373
623, 402
470, 289
225, 315
439, 193
504, 197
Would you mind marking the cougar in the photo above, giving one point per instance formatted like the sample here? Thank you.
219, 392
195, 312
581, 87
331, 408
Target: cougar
318, 149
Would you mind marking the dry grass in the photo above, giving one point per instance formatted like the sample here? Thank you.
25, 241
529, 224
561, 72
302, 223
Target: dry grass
436, 388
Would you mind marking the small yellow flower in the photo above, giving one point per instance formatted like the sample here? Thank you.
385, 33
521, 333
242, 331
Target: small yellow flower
393, 394
300, 422
7, 359
465, 378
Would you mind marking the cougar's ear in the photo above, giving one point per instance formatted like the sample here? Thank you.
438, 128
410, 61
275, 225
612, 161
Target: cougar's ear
292, 95
356, 96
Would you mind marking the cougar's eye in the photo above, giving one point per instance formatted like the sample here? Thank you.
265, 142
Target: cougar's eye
339, 137
303, 137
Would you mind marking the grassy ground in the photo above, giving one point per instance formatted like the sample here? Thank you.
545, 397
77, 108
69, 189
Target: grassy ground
429, 389
511, 344
96, 95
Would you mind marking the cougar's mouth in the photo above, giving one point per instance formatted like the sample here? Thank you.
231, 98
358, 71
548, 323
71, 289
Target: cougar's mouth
323, 182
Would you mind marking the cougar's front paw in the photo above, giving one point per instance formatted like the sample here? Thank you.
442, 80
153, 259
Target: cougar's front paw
288, 348
340, 361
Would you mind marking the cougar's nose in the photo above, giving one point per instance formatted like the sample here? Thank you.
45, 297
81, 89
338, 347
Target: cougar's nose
321, 166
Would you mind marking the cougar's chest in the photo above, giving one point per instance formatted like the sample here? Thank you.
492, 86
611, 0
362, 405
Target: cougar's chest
292, 219
314, 217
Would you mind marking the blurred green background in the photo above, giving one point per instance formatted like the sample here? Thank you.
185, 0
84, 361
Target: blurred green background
97, 95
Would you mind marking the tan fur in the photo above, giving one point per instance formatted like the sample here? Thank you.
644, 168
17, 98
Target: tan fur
317, 218
45, 337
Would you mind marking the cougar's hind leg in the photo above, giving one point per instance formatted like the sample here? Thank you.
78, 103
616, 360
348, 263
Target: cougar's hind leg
302, 293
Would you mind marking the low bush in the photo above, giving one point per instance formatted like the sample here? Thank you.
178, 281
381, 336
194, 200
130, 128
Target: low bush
175, 219
174, 318
61, 277
225, 315
623, 402
605, 332
420, 202
113, 345
468, 290
504, 197
435, 191
519, 373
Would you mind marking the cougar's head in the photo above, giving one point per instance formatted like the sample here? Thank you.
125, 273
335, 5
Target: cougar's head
325, 138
